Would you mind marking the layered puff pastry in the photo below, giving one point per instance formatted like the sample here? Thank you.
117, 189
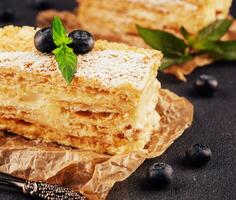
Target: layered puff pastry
116, 21
108, 108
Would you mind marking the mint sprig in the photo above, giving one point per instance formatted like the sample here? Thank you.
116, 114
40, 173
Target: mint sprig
214, 31
206, 41
64, 55
169, 44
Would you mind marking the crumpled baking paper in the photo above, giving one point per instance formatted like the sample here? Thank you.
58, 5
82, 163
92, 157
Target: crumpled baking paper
88, 172
71, 21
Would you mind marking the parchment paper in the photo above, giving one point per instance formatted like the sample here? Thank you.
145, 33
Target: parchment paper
71, 21
90, 173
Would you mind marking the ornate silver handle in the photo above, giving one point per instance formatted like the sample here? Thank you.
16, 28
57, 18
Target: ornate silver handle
50, 192
42, 190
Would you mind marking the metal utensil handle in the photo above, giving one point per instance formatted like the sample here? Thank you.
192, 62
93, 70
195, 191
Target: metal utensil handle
8, 177
50, 192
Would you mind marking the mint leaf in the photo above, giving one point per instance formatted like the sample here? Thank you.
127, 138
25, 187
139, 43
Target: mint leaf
225, 50
170, 45
185, 34
205, 39
59, 32
214, 31
64, 55
167, 62
206, 46
177, 51
67, 62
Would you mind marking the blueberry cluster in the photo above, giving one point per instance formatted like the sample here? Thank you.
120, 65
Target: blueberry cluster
82, 41
160, 174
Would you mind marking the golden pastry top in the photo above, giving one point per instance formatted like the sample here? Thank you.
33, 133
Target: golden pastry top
111, 64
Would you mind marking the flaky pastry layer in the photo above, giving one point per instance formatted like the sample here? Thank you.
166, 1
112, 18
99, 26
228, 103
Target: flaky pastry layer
24, 100
116, 145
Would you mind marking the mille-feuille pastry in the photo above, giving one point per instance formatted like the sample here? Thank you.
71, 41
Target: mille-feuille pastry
108, 108
117, 21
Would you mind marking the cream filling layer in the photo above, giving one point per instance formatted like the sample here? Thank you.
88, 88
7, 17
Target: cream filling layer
17, 101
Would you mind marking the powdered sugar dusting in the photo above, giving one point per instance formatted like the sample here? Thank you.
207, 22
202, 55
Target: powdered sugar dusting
28, 61
110, 67
115, 67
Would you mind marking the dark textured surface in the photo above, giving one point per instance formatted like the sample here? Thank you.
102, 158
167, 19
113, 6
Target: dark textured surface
214, 125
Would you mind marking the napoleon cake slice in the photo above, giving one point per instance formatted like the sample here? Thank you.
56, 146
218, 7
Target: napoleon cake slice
108, 108
119, 18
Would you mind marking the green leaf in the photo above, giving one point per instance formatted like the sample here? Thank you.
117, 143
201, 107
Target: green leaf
167, 62
170, 45
225, 50
206, 46
214, 31
67, 62
176, 51
206, 38
185, 34
65, 57
59, 32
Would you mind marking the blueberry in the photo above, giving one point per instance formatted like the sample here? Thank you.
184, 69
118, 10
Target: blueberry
198, 155
43, 40
82, 41
160, 174
206, 85
40, 4
6, 14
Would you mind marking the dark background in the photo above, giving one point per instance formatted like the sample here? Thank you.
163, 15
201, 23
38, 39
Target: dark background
214, 125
